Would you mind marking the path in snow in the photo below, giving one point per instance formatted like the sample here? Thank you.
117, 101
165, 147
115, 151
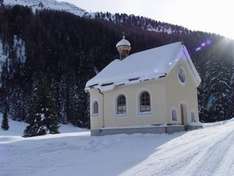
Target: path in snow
204, 152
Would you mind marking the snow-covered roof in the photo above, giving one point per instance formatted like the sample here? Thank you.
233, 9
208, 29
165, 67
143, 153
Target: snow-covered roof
149, 64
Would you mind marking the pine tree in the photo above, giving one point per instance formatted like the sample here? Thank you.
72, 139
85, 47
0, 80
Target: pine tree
43, 118
5, 125
1, 2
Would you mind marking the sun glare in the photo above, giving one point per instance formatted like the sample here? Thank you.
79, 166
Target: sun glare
213, 16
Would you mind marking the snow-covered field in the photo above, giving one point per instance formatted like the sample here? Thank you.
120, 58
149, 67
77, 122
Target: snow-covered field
204, 152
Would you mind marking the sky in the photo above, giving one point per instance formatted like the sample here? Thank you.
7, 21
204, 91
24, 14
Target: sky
214, 16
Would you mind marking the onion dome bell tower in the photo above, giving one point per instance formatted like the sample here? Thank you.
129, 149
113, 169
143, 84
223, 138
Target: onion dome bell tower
123, 47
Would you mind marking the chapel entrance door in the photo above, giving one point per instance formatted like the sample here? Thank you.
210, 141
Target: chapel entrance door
183, 112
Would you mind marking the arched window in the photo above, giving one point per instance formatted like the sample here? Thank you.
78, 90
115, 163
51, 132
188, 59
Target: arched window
95, 107
145, 105
173, 115
121, 107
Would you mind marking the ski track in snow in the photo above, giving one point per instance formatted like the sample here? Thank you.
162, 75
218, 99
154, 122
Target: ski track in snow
203, 152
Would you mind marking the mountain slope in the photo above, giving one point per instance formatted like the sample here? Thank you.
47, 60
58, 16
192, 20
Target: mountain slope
146, 24
143, 23
206, 152
47, 4
132, 20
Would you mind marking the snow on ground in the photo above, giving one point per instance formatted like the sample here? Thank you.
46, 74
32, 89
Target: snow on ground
17, 128
203, 152
216, 123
